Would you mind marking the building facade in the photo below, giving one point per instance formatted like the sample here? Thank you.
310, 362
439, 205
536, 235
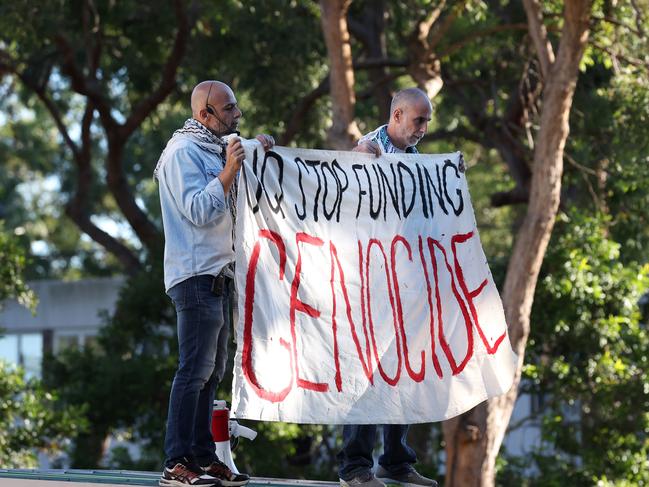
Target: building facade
69, 314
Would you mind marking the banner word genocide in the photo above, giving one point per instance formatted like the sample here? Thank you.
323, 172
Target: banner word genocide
364, 293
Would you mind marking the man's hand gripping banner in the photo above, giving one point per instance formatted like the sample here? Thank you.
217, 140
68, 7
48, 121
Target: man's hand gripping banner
364, 293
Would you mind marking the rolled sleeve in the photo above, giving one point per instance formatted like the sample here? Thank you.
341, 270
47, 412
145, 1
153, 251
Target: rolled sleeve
215, 189
198, 195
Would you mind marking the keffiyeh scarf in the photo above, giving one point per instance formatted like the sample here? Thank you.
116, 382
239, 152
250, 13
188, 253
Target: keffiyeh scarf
381, 136
201, 136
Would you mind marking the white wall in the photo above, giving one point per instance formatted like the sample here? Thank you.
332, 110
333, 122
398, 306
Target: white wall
68, 314
63, 305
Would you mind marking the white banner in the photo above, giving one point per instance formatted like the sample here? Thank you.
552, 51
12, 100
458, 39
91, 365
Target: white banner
364, 293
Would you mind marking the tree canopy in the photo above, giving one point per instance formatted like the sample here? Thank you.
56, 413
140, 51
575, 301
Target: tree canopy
549, 101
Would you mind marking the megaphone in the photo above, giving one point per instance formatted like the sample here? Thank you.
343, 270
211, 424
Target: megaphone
222, 429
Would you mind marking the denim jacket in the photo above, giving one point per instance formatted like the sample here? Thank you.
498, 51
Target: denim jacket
195, 212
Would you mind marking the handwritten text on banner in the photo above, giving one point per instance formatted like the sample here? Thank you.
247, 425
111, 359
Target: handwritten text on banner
364, 293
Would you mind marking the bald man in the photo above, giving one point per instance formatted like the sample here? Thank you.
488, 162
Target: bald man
196, 174
410, 112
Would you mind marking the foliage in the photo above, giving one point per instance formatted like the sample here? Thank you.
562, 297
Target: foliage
586, 339
587, 360
133, 41
12, 267
270, 54
29, 417
629, 168
30, 420
136, 355
124, 381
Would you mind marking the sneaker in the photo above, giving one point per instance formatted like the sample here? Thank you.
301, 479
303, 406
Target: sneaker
410, 478
366, 479
220, 471
187, 473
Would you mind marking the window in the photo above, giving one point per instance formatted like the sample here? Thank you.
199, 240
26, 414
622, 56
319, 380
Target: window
25, 350
9, 348
31, 353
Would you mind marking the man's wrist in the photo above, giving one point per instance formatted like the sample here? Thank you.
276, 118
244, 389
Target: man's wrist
228, 171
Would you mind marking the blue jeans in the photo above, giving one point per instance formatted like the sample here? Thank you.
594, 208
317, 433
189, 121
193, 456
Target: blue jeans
203, 332
355, 458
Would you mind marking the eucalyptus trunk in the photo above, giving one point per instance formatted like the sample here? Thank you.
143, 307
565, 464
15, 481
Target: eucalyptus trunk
343, 132
474, 438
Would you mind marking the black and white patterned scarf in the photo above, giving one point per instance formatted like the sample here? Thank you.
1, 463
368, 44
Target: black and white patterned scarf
203, 137
380, 135
200, 135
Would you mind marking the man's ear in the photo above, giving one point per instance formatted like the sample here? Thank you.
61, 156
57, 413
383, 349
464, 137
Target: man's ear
202, 115
397, 114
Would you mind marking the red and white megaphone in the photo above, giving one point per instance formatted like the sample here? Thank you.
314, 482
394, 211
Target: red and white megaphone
222, 429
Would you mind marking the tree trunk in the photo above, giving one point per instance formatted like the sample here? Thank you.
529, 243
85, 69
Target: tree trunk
425, 67
473, 439
343, 132
89, 448
369, 30
146, 231
83, 75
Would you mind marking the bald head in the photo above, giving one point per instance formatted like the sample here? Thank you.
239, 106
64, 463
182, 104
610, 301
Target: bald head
409, 97
215, 90
410, 112
215, 106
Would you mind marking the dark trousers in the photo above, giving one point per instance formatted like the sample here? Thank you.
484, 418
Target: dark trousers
203, 332
355, 457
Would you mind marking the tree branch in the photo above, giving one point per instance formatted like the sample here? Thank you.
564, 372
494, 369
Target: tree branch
619, 23
437, 34
86, 125
539, 35
83, 86
628, 60
294, 123
7, 65
51, 107
424, 25
458, 132
92, 42
343, 132
118, 134
374, 41
514, 196
168, 82
359, 30
118, 185
370, 63
456, 46
500, 132
639, 21
383, 81
77, 207
424, 64
130, 263
296, 120
56, 115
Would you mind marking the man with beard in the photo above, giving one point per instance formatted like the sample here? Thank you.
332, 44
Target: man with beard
196, 173
410, 112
